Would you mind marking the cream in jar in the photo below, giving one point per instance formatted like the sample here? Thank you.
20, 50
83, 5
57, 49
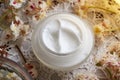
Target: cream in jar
61, 36
62, 41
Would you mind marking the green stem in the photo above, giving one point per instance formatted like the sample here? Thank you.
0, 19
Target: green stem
3, 26
5, 14
2, 17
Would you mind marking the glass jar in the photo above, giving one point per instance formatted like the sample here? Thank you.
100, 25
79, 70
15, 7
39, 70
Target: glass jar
10, 70
62, 41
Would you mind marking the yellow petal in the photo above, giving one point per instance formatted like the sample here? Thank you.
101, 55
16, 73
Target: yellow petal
117, 1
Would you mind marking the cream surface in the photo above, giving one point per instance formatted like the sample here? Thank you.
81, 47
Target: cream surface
61, 36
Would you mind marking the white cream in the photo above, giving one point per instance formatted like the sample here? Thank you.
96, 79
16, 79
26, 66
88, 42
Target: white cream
62, 41
61, 36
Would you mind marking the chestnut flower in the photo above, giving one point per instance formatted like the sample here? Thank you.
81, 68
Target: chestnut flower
86, 76
17, 3
18, 27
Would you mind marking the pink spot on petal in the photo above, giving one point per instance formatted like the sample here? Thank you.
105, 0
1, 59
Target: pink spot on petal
14, 2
